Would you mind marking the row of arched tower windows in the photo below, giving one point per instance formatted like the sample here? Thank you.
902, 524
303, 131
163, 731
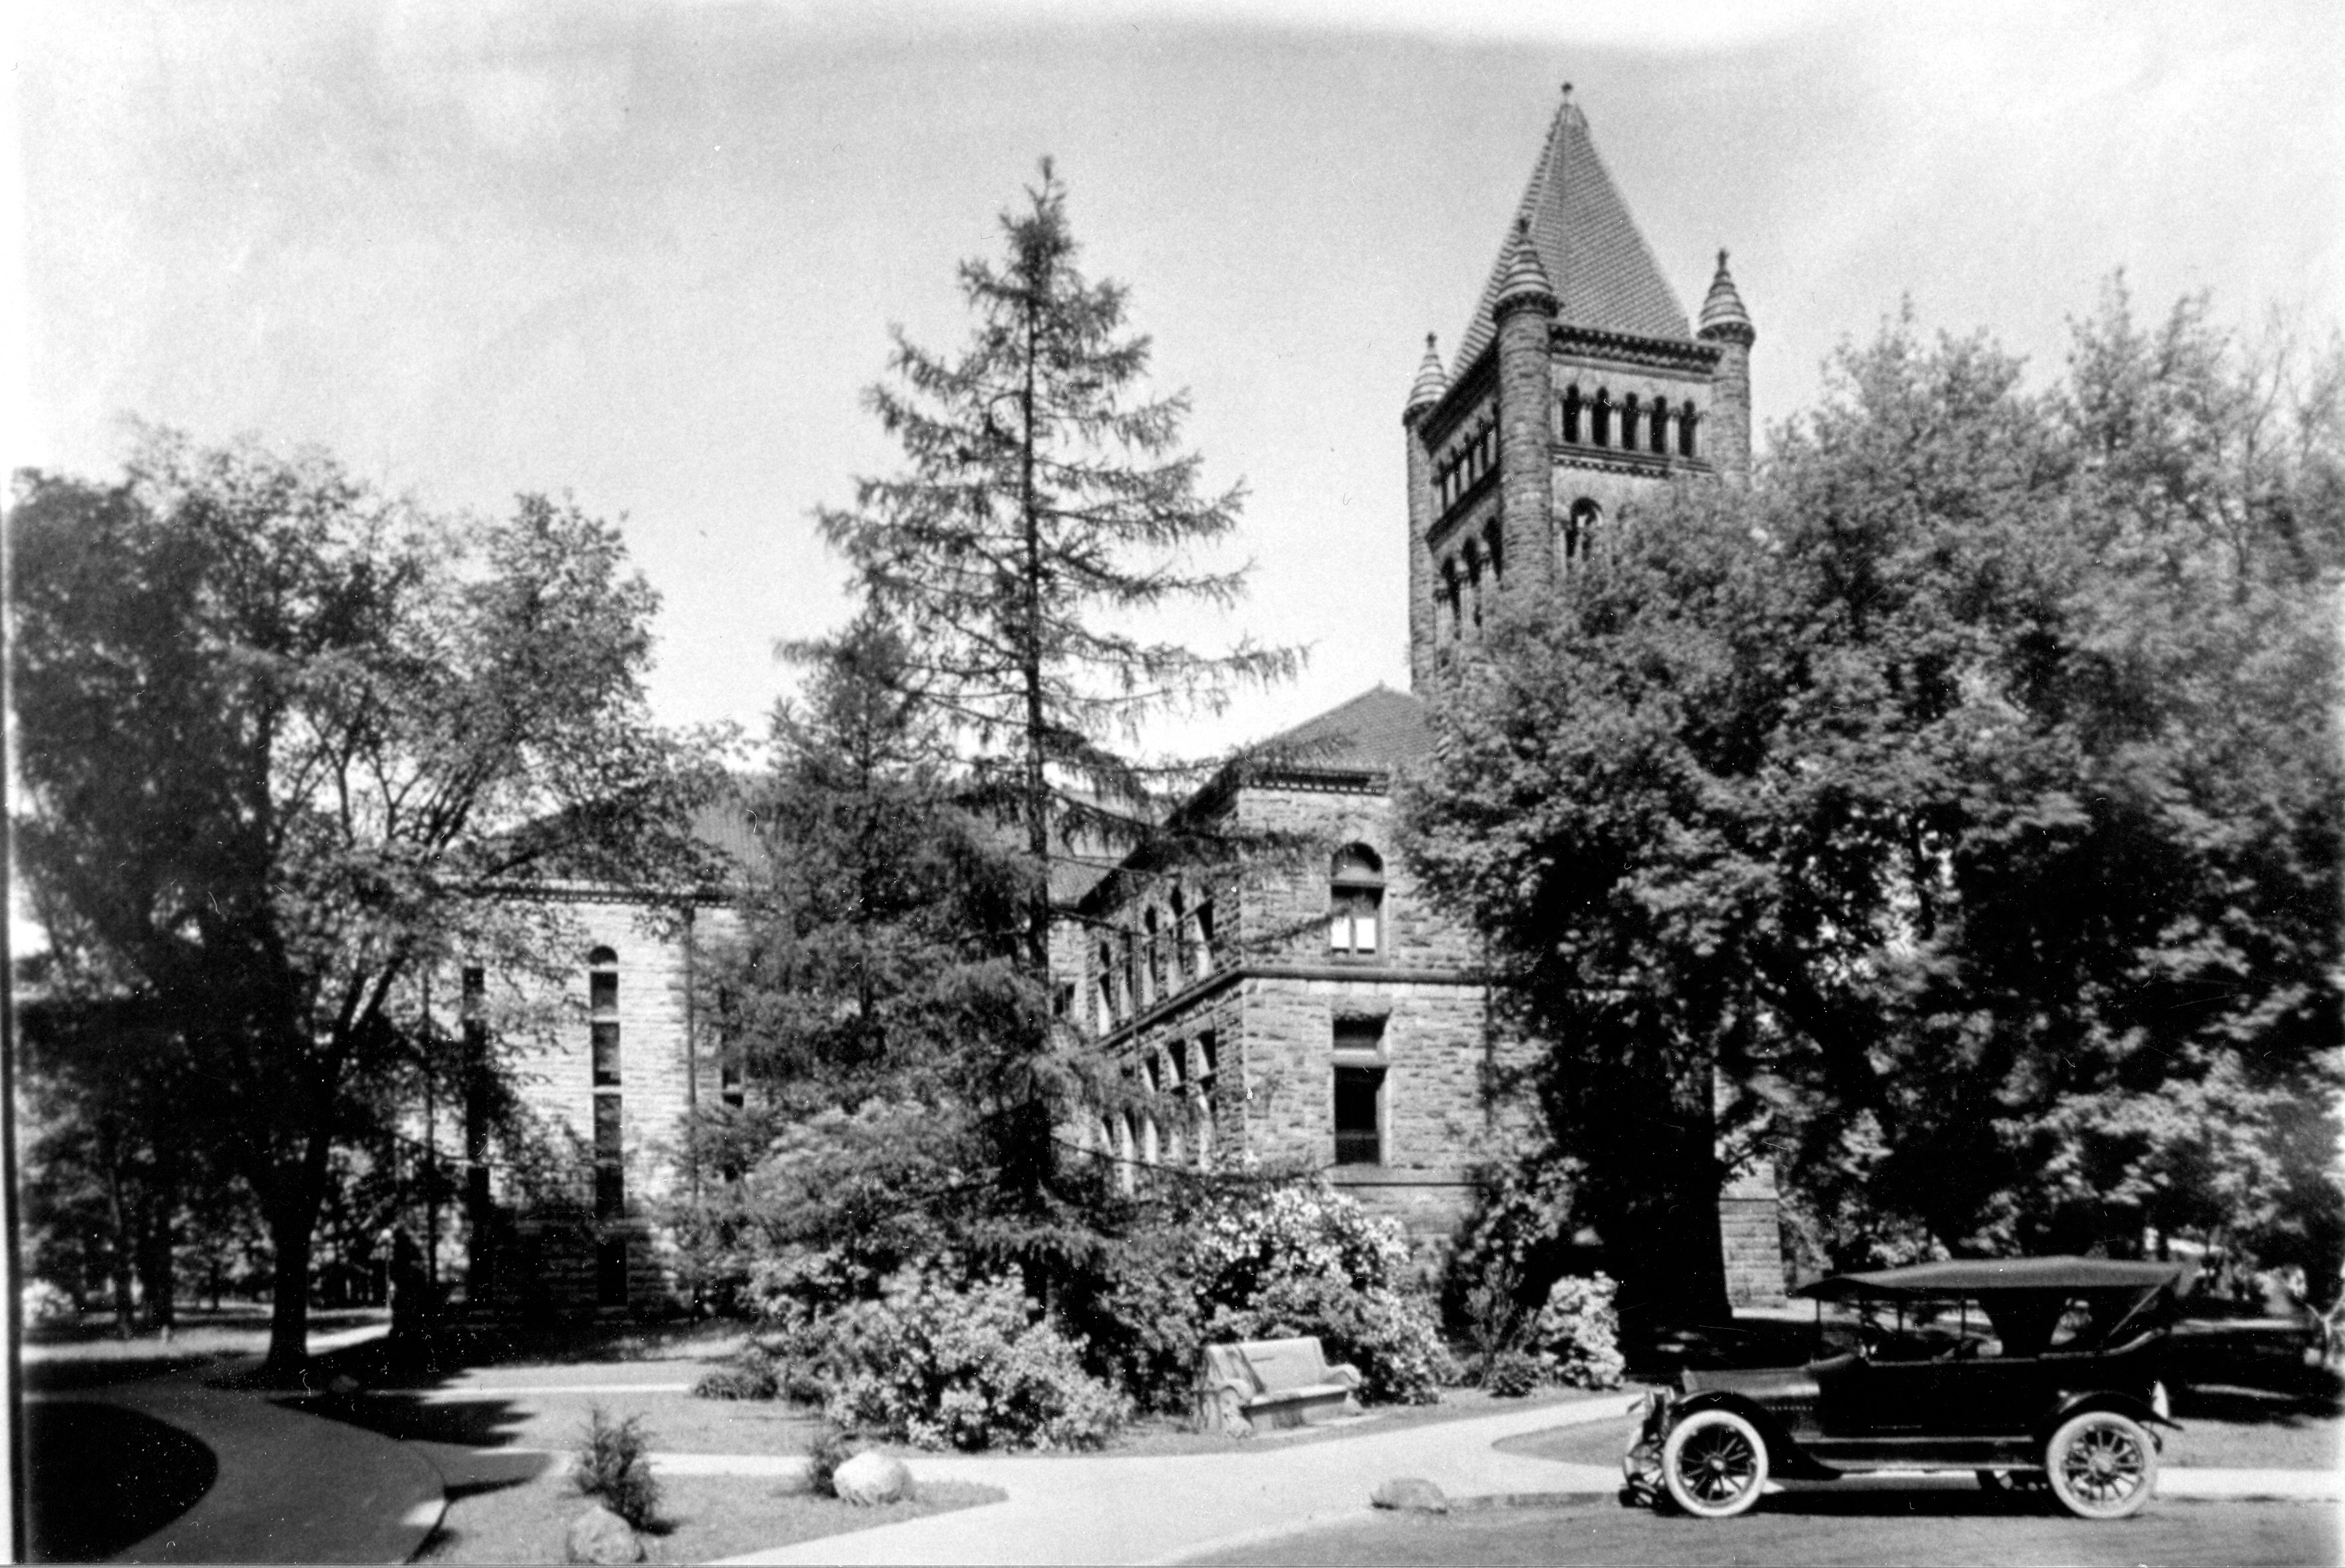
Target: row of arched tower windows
1472, 573
1631, 424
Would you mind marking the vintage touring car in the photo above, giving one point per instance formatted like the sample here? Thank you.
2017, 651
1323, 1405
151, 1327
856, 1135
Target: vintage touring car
2035, 1372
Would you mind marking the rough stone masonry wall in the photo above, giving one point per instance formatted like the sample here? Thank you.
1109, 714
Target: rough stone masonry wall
557, 1239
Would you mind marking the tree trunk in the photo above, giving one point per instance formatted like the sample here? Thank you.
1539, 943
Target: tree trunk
290, 1237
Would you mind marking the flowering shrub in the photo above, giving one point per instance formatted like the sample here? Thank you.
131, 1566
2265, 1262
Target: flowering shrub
1306, 1260
40, 1301
945, 1366
1579, 1333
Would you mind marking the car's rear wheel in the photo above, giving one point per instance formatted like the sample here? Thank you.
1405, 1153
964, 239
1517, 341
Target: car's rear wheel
1714, 1464
2101, 1465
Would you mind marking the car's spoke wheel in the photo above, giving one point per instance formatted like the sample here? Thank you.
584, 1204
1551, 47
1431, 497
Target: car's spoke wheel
2101, 1465
1714, 1464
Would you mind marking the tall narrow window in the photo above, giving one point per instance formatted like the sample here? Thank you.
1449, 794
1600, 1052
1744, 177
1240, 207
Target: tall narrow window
1355, 897
603, 1014
1178, 939
1474, 585
1629, 423
1203, 958
1202, 1078
1571, 413
1453, 619
473, 1009
1685, 429
1601, 419
610, 1164
1158, 979
1105, 1010
1359, 1071
1577, 538
1660, 446
1495, 543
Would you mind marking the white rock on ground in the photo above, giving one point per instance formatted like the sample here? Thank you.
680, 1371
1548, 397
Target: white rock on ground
599, 1535
869, 1478
1410, 1494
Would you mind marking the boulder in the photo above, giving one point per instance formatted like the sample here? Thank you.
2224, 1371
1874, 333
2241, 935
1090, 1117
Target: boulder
869, 1478
1412, 1495
599, 1535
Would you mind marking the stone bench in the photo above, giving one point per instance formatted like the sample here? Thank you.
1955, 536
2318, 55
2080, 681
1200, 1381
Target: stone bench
1270, 1383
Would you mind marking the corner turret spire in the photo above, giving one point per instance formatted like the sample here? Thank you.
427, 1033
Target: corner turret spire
1722, 315
1523, 280
1431, 382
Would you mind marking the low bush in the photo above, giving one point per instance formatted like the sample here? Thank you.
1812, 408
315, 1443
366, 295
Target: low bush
944, 1365
830, 1450
41, 1303
1578, 1332
1512, 1374
738, 1382
614, 1465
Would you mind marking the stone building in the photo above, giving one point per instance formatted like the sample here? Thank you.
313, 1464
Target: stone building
1308, 1010
1316, 1011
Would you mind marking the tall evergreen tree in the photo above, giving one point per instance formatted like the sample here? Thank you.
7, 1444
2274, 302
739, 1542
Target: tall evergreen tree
1044, 512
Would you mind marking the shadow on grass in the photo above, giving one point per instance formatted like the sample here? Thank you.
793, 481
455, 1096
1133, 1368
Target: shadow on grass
102, 1478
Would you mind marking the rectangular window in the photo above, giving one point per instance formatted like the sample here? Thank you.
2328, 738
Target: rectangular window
606, 1055
1203, 959
1352, 925
602, 992
1359, 1115
1203, 1069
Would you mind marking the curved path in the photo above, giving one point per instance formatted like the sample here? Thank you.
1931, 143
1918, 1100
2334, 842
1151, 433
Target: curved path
291, 1488
1149, 1509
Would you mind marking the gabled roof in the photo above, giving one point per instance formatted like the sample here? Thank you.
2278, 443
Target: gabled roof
1376, 731
1603, 275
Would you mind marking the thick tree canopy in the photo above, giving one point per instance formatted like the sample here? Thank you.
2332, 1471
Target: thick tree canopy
278, 736
1958, 810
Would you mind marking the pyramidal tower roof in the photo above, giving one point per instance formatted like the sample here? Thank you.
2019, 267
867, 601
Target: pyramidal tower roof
1602, 273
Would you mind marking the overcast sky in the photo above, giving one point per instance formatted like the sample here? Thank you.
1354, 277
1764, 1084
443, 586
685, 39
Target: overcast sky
649, 254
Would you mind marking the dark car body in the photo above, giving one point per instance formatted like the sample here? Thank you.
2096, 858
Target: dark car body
1970, 1364
2278, 1345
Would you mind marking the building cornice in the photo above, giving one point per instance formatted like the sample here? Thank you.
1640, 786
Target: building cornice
1675, 354
1221, 980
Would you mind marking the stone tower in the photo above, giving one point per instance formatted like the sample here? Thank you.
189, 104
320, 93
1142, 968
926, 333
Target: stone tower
1579, 381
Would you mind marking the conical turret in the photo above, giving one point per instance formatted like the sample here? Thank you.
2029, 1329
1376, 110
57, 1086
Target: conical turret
1431, 382
1523, 280
1722, 315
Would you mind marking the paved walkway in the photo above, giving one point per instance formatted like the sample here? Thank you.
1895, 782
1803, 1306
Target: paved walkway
290, 1487
1146, 1508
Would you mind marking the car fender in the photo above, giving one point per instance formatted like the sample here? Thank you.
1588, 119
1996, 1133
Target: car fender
2123, 1404
1785, 1455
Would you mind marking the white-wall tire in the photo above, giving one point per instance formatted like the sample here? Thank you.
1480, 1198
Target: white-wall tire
2101, 1465
1714, 1464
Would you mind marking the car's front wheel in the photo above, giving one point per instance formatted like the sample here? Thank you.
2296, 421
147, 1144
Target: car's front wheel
2101, 1465
1714, 1464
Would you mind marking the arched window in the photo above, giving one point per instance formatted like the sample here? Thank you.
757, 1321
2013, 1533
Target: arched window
1106, 1010
1660, 446
1685, 429
1494, 545
1600, 423
1577, 537
1203, 1068
1450, 620
1629, 423
1571, 413
1474, 583
1356, 900
1155, 959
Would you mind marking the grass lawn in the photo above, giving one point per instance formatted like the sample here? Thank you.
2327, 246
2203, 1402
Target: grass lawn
80, 1354
701, 1517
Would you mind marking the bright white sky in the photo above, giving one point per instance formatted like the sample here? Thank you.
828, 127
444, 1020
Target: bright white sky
648, 253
